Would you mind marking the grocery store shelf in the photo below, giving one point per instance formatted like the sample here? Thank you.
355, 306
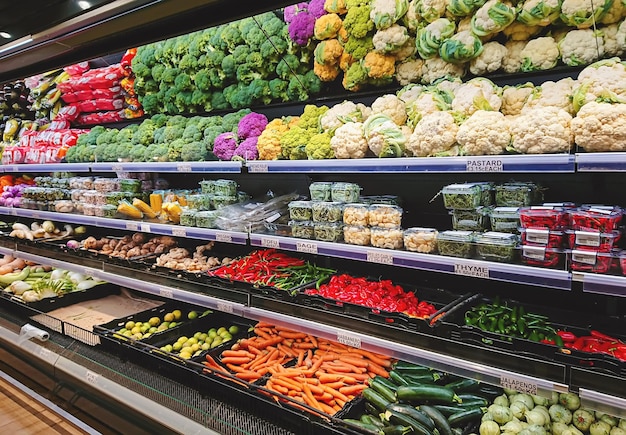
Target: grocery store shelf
610, 404
482, 164
601, 162
183, 167
558, 279
602, 284
46, 167
235, 237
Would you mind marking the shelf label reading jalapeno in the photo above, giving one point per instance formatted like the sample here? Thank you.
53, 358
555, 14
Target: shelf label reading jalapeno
222, 237
349, 339
183, 167
270, 243
92, 377
484, 165
379, 257
507, 381
179, 232
257, 167
471, 270
166, 292
132, 226
307, 247
225, 307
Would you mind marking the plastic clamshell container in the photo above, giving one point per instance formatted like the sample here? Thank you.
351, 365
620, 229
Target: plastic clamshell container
517, 194
542, 237
356, 214
592, 241
200, 201
328, 231
320, 191
345, 192
553, 218
590, 261
495, 246
357, 235
471, 220
462, 196
486, 193
188, 217
219, 201
504, 219
419, 239
130, 185
384, 215
225, 187
389, 238
300, 210
206, 219
381, 199
456, 243
327, 211
302, 229
207, 186
540, 256
595, 219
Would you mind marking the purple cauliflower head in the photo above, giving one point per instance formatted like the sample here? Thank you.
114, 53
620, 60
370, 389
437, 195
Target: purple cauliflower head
251, 125
224, 145
316, 8
247, 149
301, 28
291, 11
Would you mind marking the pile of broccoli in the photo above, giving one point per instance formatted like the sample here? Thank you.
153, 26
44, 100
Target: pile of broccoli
161, 138
240, 64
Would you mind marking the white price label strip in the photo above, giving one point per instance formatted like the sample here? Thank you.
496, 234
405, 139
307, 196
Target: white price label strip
46, 354
225, 307
349, 339
258, 167
179, 232
117, 168
183, 167
92, 377
507, 381
270, 243
484, 165
379, 257
222, 237
166, 292
471, 270
145, 228
307, 247
132, 226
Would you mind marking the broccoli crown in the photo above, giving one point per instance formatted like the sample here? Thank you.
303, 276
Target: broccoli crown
188, 63
192, 133
123, 150
194, 152
218, 101
309, 120
213, 58
183, 82
157, 72
210, 133
145, 133
287, 66
176, 120
278, 89
126, 133
172, 133
174, 148
232, 36
230, 121
199, 41
169, 75
151, 103
156, 153
137, 153
202, 80
159, 120
238, 96
260, 91
273, 48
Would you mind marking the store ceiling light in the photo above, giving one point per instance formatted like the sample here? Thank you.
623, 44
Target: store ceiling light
5, 35
84, 4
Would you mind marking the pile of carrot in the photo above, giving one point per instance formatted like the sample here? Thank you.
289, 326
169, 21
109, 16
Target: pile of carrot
322, 374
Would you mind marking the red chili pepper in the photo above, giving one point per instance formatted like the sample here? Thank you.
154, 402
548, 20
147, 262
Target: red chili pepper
600, 335
567, 336
547, 341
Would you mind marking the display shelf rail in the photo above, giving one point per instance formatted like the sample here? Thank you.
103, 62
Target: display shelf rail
557, 279
183, 167
610, 404
601, 162
481, 164
46, 167
610, 285
235, 237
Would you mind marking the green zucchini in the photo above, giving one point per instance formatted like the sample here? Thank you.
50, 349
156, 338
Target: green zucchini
476, 403
370, 419
414, 413
464, 385
369, 429
432, 393
387, 383
397, 429
371, 409
399, 418
466, 397
449, 409
465, 416
440, 420
397, 378
381, 389
375, 398
429, 378
406, 367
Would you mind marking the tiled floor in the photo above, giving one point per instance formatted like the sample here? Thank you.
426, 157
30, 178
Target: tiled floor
23, 412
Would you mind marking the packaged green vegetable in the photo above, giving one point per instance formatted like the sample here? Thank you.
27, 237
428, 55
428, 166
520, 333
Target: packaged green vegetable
456, 243
520, 194
188, 217
496, 246
467, 196
345, 192
328, 231
471, 220
302, 229
505, 219
300, 210
320, 191
327, 211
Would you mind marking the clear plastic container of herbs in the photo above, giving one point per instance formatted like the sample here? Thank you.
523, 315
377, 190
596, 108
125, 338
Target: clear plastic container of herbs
327, 211
496, 246
130, 185
505, 219
328, 231
188, 217
455, 243
200, 201
207, 186
471, 220
206, 219
320, 191
345, 192
225, 187
300, 210
219, 201
518, 194
302, 229
467, 196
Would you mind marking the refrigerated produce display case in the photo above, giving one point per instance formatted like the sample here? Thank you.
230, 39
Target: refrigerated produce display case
420, 275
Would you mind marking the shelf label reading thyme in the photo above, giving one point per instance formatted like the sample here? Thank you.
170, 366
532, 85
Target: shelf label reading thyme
518, 385
307, 247
470, 270
349, 339
270, 243
484, 165
379, 257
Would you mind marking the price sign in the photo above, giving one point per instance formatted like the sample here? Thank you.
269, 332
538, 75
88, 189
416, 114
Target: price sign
223, 237
92, 377
166, 292
225, 307
13, 212
183, 167
484, 164
46, 354
132, 226
528, 387
349, 339
117, 168
258, 167
379, 257
145, 228
179, 232
270, 243
36, 216
471, 270
307, 247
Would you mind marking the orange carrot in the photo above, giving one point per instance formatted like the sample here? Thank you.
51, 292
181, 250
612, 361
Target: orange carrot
335, 385
289, 385
358, 362
352, 389
269, 342
291, 334
248, 376
261, 333
308, 397
284, 349
235, 368
335, 393
237, 353
300, 357
303, 345
324, 397
237, 360
376, 358
377, 370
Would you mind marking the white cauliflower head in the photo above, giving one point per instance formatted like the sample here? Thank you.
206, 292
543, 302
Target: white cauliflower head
341, 113
490, 60
581, 47
583, 13
610, 39
512, 62
390, 39
484, 133
554, 94
514, 98
391, 106
427, 102
410, 92
542, 130
437, 68
409, 71
517, 31
478, 93
600, 127
601, 78
540, 54
434, 135
349, 141
430, 10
